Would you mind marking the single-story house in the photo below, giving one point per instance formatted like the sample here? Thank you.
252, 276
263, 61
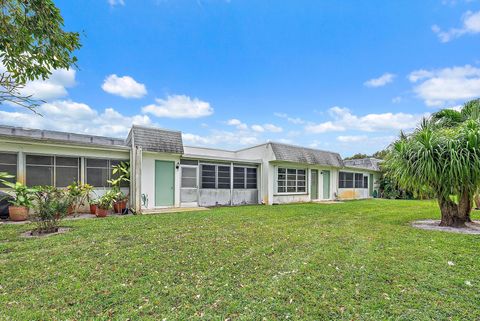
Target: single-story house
165, 173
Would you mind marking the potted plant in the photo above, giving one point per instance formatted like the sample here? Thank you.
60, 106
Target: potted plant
121, 172
79, 195
104, 204
21, 201
93, 206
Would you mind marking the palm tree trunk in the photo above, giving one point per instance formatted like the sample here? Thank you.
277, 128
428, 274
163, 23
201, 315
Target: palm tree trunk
465, 206
450, 213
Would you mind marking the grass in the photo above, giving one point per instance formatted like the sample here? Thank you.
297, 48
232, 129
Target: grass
358, 260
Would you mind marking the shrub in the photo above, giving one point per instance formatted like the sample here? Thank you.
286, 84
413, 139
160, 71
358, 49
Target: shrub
50, 206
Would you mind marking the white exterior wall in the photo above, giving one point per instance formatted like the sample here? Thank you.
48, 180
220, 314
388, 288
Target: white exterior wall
148, 177
355, 193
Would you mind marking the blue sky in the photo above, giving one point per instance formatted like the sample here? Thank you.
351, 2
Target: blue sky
338, 75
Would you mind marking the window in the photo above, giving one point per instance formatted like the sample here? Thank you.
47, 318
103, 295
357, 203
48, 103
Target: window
208, 176
244, 178
56, 171
291, 180
99, 171
67, 171
215, 176
8, 164
189, 177
358, 180
350, 180
345, 180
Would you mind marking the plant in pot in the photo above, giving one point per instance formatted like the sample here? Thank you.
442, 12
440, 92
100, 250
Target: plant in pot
50, 206
21, 201
79, 195
105, 203
121, 178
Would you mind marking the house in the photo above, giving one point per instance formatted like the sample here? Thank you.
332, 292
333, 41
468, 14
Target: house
165, 173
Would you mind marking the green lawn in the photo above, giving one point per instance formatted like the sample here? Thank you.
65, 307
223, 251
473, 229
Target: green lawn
357, 260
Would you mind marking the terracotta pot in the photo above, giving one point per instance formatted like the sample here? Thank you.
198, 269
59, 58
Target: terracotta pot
119, 206
101, 212
70, 210
18, 213
93, 209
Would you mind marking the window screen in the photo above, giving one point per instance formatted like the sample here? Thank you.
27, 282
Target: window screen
99, 171
39, 170
8, 164
239, 177
290, 180
208, 175
358, 180
189, 177
365, 181
345, 180
223, 177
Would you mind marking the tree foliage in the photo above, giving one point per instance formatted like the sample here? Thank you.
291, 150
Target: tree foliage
32, 44
442, 157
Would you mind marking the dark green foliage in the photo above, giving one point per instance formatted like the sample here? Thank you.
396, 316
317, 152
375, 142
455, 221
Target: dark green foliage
32, 44
50, 206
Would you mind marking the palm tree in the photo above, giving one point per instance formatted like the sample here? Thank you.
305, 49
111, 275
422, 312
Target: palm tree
442, 156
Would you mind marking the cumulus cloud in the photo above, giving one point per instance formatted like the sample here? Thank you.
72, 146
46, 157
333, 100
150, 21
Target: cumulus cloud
470, 25
70, 116
52, 88
267, 128
384, 79
343, 120
179, 106
237, 123
447, 85
352, 139
293, 120
125, 87
223, 138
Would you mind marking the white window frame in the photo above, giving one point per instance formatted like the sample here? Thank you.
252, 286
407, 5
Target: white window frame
245, 177
286, 180
54, 166
109, 169
197, 169
200, 172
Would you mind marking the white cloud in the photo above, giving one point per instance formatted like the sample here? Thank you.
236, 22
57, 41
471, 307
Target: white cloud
267, 128
352, 139
52, 88
343, 120
114, 3
293, 120
70, 116
470, 25
448, 85
237, 123
125, 86
179, 106
380, 81
221, 138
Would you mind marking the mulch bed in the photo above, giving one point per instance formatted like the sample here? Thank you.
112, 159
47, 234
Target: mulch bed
472, 228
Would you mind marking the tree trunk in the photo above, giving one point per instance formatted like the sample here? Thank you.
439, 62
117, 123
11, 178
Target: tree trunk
465, 206
450, 213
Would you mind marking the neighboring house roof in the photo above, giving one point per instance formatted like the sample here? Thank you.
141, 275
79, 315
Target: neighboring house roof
297, 154
156, 139
364, 163
50, 136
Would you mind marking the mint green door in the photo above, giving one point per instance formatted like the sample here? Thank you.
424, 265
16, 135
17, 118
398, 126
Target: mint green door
314, 183
326, 185
370, 185
164, 183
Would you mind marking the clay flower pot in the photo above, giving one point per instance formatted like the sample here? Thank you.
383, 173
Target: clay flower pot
101, 212
93, 209
120, 206
70, 210
18, 213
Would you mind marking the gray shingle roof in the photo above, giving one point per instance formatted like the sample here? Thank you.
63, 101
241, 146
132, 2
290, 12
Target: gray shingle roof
297, 154
59, 137
366, 163
156, 139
